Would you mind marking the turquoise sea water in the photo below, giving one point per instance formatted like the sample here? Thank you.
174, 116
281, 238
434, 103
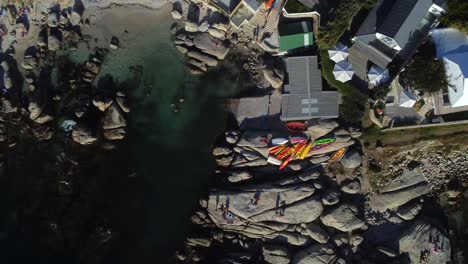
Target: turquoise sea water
170, 151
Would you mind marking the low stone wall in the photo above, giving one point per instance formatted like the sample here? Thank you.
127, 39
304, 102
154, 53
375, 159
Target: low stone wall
425, 126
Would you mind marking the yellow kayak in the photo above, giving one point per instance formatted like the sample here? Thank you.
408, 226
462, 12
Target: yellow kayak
305, 151
298, 152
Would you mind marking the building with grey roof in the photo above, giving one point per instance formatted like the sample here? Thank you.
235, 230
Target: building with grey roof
303, 96
393, 29
238, 11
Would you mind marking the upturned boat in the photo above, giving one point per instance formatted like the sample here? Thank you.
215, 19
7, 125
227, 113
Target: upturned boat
296, 126
279, 141
295, 140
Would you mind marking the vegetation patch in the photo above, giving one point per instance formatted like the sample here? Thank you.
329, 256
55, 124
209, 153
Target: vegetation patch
426, 74
354, 101
341, 21
294, 6
457, 15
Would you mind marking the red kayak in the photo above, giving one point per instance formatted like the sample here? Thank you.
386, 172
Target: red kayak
296, 126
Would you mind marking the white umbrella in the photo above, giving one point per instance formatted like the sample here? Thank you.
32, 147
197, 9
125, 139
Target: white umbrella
343, 71
377, 75
338, 53
407, 98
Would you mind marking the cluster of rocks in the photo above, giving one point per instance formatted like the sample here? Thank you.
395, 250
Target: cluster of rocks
445, 171
312, 212
56, 28
301, 208
204, 43
400, 200
251, 146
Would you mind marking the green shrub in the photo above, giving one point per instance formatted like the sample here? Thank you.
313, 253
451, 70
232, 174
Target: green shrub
344, 14
457, 15
294, 6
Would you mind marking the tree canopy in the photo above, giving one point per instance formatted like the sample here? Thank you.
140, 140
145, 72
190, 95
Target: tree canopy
457, 15
426, 74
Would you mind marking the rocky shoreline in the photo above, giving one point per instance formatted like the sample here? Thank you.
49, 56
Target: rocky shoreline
315, 211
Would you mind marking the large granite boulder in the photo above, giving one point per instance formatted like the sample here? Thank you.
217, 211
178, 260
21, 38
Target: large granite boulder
424, 241
330, 196
275, 81
316, 254
53, 43
6, 106
409, 210
176, 14
83, 135
217, 33
113, 118
275, 254
343, 217
404, 188
351, 186
351, 160
317, 233
205, 58
255, 139
211, 45
320, 127
290, 204
238, 176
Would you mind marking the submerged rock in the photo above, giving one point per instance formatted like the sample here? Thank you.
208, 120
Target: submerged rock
83, 135
181, 48
176, 14
115, 134
209, 60
113, 118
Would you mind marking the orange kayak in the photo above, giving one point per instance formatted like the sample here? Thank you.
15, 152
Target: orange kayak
338, 155
285, 163
283, 152
275, 148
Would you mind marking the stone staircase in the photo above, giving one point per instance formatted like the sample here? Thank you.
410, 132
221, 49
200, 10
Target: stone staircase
428, 106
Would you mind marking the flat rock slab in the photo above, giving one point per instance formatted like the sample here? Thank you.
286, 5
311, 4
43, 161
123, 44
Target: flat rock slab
330, 148
343, 217
316, 254
406, 179
211, 45
304, 211
422, 236
241, 203
409, 185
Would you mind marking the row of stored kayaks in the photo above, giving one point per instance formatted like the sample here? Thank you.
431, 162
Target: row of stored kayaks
284, 150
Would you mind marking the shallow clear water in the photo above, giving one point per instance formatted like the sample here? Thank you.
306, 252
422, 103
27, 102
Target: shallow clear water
171, 152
